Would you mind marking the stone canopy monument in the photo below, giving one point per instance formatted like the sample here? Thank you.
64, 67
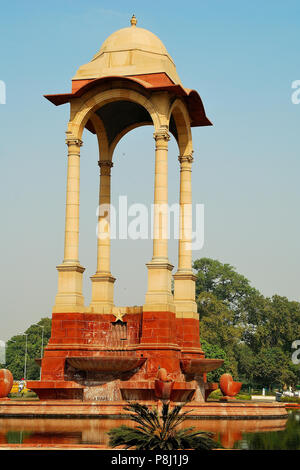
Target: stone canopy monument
101, 351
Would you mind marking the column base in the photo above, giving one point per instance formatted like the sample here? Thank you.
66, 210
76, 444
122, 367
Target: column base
102, 293
159, 294
69, 296
184, 294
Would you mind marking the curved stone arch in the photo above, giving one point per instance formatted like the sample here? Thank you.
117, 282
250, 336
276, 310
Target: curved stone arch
182, 121
101, 136
124, 132
76, 126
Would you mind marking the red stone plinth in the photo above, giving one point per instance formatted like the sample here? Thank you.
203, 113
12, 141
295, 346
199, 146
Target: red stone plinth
77, 408
94, 357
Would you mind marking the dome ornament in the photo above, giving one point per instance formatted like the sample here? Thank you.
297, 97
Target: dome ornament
133, 21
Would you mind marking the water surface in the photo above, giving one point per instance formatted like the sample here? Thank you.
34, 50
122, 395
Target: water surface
262, 434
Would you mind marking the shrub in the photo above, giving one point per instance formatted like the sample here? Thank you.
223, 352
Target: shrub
155, 432
290, 399
27, 395
216, 394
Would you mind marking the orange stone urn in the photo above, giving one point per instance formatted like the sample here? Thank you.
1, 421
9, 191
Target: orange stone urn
6, 382
163, 385
228, 387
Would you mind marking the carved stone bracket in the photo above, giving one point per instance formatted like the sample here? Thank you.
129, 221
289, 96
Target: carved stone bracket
73, 141
105, 167
161, 137
186, 158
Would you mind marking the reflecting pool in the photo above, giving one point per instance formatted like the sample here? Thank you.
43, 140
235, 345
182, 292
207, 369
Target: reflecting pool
250, 434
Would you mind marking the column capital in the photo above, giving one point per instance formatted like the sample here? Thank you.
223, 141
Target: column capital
186, 158
105, 166
73, 141
161, 134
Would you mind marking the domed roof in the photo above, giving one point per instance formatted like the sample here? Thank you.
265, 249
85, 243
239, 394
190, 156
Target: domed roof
130, 51
133, 38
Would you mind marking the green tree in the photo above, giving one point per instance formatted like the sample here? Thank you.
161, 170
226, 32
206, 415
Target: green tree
245, 360
15, 350
224, 282
217, 326
276, 323
224, 298
217, 322
247, 326
271, 368
213, 351
154, 432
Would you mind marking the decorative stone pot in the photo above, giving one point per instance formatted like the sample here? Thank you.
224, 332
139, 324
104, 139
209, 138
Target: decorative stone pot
228, 387
6, 382
162, 375
163, 389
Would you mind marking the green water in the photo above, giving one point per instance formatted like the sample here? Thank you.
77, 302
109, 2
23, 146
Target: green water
288, 439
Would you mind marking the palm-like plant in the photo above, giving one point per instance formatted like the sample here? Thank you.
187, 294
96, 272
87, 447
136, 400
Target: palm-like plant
159, 433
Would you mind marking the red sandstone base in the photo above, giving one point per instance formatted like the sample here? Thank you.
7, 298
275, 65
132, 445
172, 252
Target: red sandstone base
76, 408
94, 357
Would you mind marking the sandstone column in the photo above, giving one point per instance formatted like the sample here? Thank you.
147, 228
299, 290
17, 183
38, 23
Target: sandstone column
103, 281
69, 296
184, 279
159, 296
185, 231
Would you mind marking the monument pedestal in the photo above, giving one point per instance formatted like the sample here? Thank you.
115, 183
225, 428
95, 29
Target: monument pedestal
97, 357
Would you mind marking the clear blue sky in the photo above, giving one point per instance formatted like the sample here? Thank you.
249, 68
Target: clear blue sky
241, 57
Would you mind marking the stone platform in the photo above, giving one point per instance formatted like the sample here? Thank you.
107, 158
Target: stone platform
95, 409
96, 357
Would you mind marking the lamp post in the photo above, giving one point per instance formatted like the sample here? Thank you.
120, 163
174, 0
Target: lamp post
42, 346
25, 362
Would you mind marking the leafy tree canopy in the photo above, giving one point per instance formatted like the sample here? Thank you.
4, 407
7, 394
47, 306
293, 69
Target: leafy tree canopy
271, 367
248, 327
212, 351
15, 350
276, 324
224, 282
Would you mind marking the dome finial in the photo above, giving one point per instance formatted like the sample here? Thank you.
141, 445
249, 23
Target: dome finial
133, 20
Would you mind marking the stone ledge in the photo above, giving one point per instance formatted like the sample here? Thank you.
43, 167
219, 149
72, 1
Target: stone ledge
97, 409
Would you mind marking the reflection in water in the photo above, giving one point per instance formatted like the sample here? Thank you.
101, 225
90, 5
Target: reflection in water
57, 431
230, 431
16, 437
239, 434
288, 439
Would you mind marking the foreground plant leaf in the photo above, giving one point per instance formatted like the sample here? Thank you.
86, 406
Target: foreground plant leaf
155, 432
